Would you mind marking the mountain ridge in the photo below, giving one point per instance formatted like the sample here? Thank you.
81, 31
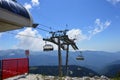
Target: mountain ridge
94, 60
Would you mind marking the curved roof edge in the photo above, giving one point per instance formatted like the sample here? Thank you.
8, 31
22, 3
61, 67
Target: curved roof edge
15, 8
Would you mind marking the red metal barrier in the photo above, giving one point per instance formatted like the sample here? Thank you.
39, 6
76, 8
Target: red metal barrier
14, 67
23, 66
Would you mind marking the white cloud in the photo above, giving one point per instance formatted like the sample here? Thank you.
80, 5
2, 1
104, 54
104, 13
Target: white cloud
76, 34
31, 5
114, 2
35, 2
1, 34
29, 42
27, 6
38, 43
31, 39
99, 27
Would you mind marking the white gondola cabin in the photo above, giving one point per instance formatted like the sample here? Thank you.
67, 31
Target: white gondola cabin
47, 47
13, 16
79, 57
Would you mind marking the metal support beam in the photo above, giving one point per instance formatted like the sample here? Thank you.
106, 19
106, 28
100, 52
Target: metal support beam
62, 40
67, 55
59, 59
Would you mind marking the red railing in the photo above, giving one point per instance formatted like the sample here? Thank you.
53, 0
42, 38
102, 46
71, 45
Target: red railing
14, 67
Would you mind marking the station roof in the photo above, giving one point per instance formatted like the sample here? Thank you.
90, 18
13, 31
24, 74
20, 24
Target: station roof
13, 16
14, 7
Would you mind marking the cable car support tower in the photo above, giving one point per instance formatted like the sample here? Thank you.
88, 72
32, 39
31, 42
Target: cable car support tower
61, 39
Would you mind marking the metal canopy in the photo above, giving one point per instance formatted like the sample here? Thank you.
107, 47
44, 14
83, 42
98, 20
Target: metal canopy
13, 16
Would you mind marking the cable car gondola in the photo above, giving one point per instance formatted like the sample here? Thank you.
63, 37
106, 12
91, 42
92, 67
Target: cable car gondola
13, 16
80, 57
47, 47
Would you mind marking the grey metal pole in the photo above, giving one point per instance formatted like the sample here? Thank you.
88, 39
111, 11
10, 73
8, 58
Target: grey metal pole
67, 55
59, 59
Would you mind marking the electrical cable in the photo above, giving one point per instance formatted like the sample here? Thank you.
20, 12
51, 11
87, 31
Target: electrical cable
43, 29
47, 27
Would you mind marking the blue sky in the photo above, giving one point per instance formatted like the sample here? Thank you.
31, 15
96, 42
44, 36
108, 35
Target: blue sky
94, 22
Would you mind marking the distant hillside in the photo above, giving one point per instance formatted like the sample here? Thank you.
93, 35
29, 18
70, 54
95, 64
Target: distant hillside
113, 69
94, 60
74, 71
